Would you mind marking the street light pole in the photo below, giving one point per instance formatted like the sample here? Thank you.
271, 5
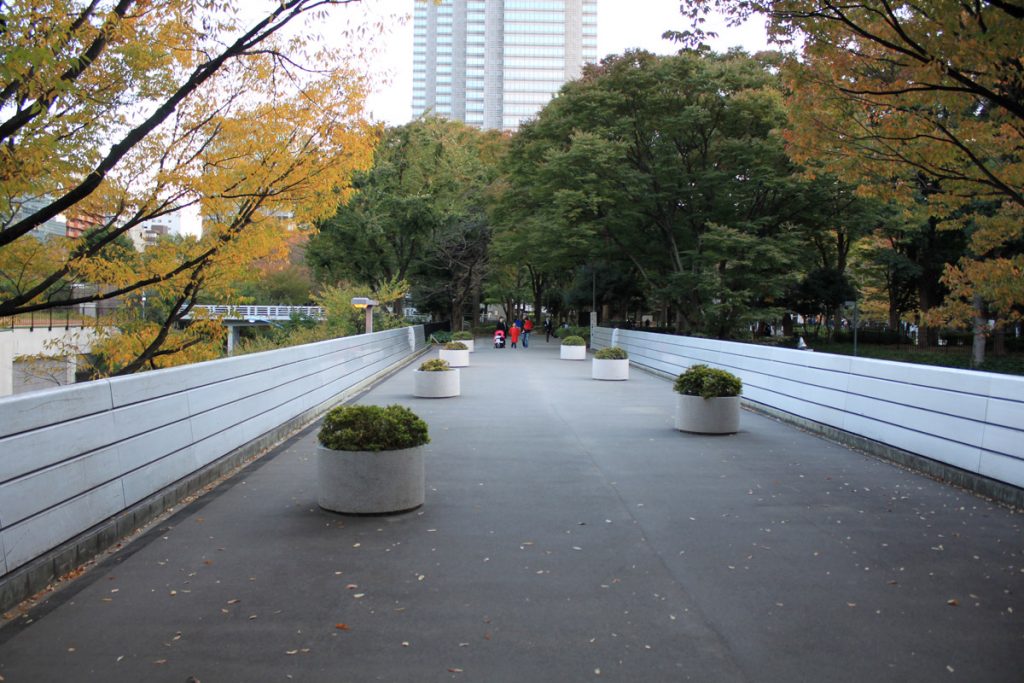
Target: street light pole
368, 304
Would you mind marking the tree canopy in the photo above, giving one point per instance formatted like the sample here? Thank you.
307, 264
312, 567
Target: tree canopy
674, 164
419, 211
121, 112
922, 103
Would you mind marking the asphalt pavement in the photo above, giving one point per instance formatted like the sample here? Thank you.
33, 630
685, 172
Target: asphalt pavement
569, 534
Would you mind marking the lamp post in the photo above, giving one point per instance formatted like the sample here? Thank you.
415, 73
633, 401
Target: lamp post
368, 304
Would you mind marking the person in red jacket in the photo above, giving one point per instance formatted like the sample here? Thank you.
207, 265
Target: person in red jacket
527, 328
513, 335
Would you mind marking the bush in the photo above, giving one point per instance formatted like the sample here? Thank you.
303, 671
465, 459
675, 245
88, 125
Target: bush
707, 382
574, 341
456, 346
463, 336
435, 365
372, 428
612, 353
441, 337
563, 332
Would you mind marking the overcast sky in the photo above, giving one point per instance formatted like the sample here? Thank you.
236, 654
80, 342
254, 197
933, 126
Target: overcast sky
621, 24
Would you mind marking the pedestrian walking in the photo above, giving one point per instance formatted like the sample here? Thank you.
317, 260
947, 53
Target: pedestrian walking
527, 328
548, 329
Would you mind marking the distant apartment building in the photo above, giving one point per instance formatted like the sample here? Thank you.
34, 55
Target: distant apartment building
495, 63
148, 233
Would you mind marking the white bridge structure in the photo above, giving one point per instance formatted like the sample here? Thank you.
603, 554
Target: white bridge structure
257, 314
235, 317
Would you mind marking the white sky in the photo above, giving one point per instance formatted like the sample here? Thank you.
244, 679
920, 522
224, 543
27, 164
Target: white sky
621, 24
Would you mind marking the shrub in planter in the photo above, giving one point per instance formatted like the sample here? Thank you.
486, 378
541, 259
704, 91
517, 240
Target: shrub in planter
372, 428
563, 332
708, 401
707, 382
611, 353
370, 459
436, 379
611, 363
456, 353
573, 348
466, 338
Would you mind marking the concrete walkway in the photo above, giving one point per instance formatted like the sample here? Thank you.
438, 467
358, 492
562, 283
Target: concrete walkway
569, 534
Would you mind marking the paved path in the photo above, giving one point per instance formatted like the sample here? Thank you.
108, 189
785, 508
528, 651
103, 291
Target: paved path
569, 534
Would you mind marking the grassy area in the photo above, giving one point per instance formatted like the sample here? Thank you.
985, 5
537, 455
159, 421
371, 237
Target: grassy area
948, 356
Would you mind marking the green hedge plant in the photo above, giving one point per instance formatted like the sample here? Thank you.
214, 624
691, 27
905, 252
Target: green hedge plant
562, 332
462, 336
574, 340
611, 353
456, 346
372, 428
435, 365
708, 382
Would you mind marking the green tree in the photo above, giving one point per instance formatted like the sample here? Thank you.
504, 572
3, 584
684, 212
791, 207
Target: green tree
668, 162
418, 215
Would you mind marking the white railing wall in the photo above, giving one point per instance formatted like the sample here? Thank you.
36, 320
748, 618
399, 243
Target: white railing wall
970, 420
75, 456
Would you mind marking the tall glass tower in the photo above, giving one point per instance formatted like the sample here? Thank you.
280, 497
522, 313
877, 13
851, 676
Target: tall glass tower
495, 63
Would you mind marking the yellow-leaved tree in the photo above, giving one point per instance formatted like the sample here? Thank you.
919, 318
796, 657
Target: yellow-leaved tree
126, 111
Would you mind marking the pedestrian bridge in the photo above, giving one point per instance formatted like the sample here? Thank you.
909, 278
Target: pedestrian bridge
235, 317
568, 527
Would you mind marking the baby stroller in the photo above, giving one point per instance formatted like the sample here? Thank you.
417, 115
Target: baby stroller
499, 339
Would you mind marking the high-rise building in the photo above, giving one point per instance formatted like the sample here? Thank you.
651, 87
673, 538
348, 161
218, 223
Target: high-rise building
495, 63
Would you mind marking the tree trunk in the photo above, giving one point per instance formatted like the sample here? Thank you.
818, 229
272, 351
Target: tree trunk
980, 323
476, 303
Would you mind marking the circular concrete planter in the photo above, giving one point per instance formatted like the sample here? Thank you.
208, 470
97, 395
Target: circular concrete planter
456, 358
437, 384
364, 483
708, 415
573, 352
610, 368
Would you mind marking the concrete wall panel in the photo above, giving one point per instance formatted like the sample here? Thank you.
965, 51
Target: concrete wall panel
36, 535
153, 445
40, 448
1007, 413
27, 496
154, 476
22, 413
1002, 468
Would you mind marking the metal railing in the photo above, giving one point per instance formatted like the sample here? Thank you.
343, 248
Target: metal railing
258, 312
61, 317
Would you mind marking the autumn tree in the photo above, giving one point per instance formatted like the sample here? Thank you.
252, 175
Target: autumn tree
131, 110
